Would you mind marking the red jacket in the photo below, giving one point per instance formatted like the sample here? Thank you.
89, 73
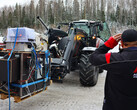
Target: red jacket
121, 79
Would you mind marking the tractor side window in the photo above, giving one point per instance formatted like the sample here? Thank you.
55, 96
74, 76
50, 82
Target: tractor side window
105, 34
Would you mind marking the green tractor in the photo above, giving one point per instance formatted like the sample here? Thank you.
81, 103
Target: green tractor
70, 50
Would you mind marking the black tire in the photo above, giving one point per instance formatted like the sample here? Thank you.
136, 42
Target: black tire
87, 72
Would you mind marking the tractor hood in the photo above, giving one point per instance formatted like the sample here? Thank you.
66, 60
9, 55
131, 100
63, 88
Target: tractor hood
55, 33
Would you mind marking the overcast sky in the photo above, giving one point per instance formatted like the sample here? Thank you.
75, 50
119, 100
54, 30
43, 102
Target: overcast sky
12, 2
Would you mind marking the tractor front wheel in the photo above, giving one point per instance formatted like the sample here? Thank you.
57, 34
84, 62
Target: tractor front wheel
87, 72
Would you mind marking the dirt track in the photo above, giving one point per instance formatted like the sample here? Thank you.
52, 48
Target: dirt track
67, 96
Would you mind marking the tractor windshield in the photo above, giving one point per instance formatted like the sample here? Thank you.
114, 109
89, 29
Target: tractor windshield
82, 26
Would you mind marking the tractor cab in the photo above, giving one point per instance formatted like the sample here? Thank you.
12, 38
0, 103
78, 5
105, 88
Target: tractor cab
92, 28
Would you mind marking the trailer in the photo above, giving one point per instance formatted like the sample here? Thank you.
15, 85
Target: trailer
24, 70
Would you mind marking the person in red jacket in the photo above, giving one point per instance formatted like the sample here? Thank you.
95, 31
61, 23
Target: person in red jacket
121, 78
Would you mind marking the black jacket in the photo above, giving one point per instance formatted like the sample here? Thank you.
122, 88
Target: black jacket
121, 79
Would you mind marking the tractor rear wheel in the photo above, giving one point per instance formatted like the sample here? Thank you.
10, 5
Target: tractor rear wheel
87, 72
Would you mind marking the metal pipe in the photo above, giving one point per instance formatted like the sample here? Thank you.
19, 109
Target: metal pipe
42, 22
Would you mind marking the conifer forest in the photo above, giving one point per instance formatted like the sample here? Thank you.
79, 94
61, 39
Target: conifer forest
122, 12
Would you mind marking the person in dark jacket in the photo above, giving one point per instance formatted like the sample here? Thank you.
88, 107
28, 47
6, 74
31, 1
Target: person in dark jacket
121, 78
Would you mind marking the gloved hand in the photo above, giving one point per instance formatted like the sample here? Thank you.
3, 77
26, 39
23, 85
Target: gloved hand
113, 41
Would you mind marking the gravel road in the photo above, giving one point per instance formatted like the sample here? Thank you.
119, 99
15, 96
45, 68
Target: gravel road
69, 95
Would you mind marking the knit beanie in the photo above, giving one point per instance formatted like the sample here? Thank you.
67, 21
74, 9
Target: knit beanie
129, 35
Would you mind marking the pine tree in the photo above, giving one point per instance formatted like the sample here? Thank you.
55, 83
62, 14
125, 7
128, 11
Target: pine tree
50, 13
81, 6
123, 17
37, 14
16, 16
32, 13
10, 19
134, 5
102, 11
42, 9
23, 17
76, 10
117, 13
3, 19
87, 9
20, 14
55, 10
94, 16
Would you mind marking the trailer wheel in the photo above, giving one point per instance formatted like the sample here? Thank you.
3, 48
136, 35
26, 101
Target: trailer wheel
87, 72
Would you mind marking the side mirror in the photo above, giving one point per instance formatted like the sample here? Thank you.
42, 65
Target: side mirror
59, 27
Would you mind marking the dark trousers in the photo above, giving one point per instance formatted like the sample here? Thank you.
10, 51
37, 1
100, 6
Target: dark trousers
107, 105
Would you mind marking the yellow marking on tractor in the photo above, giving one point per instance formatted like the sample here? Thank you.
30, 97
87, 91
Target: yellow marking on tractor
78, 37
59, 78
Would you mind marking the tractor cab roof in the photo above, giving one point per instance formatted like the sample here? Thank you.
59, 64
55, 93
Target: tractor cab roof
84, 21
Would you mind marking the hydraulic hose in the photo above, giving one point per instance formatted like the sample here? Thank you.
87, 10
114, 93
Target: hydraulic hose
8, 66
